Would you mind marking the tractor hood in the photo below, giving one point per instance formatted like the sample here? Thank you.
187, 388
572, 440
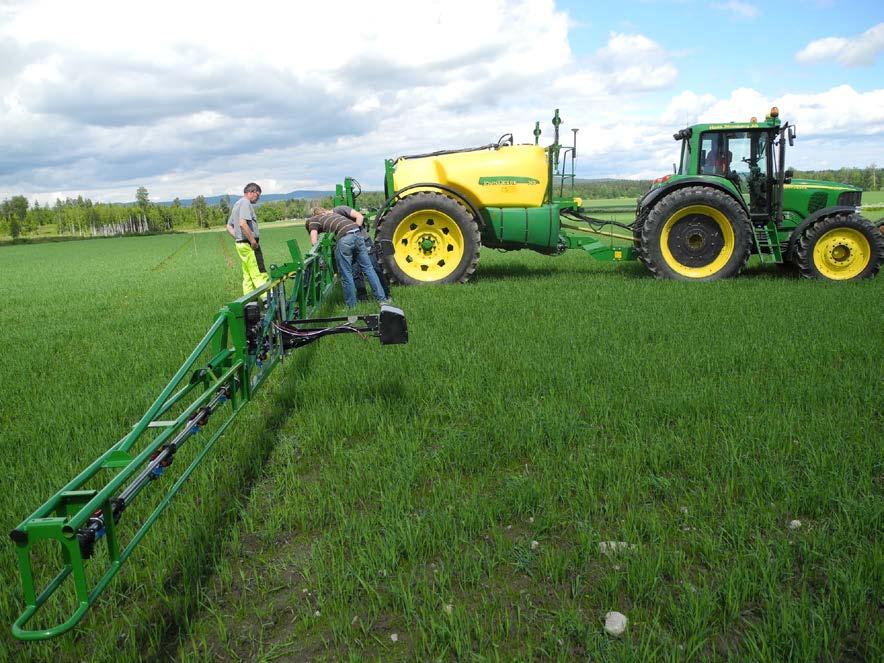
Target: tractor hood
808, 196
823, 185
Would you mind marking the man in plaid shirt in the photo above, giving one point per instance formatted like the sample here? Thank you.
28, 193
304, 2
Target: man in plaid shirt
346, 224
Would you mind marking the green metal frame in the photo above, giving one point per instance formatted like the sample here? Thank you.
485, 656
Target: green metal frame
227, 381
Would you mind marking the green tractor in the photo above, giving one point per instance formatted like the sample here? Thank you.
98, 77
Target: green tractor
730, 198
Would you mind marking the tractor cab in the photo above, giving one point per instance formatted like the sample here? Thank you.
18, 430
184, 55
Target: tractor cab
739, 157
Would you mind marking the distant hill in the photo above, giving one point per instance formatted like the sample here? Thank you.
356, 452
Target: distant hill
265, 198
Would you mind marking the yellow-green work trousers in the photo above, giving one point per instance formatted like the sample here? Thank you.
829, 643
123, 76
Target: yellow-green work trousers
252, 277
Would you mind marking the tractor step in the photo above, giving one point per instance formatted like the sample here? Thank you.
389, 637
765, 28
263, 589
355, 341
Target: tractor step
767, 251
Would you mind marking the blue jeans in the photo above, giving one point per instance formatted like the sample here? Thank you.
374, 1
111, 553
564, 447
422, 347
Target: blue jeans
359, 277
347, 249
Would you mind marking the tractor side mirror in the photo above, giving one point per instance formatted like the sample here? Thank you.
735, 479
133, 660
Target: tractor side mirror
791, 136
788, 175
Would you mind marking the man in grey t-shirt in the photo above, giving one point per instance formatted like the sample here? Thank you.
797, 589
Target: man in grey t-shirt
242, 224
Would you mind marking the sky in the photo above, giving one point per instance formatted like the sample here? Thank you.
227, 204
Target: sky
186, 98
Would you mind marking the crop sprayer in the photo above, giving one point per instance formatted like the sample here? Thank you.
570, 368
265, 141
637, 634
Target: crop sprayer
248, 339
731, 196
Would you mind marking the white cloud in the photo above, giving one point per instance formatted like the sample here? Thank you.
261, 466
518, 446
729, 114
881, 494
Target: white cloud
741, 9
107, 94
856, 51
208, 100
98, 98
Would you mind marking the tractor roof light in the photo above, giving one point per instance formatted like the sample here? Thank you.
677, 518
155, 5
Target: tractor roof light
774, 112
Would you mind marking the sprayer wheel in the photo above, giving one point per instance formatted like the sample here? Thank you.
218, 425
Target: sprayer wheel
434, 238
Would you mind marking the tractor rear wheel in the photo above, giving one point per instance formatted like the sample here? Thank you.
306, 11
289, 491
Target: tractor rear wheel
695, 234
841, 247
434, 238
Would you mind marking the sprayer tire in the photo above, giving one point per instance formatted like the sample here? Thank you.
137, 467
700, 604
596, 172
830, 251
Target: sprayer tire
697, 233
435, 239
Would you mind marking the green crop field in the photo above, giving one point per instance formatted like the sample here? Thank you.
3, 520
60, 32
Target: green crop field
447, 499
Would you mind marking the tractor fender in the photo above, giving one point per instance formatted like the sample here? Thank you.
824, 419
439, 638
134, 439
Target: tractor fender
654, 195
451, 191
813, 218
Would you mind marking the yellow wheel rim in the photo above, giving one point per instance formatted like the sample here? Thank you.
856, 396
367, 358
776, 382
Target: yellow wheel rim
429, 245
701, 235
842, 253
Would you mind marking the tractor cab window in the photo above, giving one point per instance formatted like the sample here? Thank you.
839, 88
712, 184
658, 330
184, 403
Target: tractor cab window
741, 157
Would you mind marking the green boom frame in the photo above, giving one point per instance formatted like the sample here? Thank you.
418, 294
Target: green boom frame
244, 344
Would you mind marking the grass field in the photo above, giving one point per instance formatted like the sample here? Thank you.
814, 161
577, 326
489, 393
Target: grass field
454, 492
873, 204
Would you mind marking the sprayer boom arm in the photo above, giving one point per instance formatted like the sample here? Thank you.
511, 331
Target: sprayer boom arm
248, 338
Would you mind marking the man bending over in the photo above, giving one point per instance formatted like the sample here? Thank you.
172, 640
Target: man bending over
346, 223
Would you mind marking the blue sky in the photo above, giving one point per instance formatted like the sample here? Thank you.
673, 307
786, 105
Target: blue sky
718, 48
100, 97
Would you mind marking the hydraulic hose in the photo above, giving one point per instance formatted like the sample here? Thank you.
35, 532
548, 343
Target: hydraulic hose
592, 221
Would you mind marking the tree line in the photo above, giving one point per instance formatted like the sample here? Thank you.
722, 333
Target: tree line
81, 217
870, 178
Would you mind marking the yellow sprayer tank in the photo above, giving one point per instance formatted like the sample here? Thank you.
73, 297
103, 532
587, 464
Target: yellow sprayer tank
505, 176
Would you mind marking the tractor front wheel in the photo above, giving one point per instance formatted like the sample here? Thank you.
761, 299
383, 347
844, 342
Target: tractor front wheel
434, 238
842, 247
695, 234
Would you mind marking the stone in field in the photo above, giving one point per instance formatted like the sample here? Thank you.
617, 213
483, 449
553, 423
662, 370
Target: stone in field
394, 637
615, 623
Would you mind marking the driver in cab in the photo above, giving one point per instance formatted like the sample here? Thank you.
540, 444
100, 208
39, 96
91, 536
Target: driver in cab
717, 162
